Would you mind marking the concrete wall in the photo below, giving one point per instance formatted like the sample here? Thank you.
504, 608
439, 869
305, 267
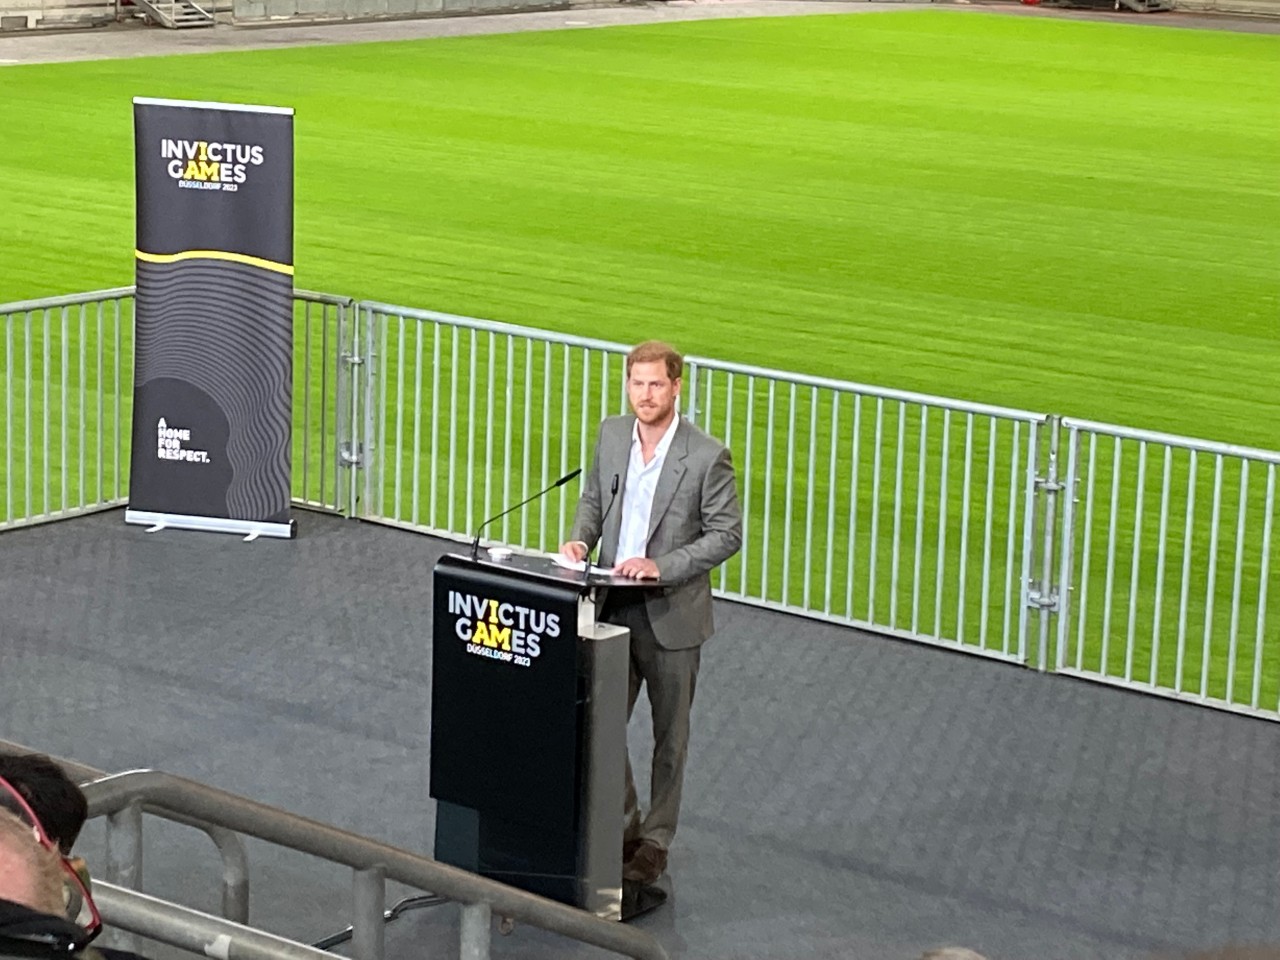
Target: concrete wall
245, 11
1267, 8
45, 14
33, 14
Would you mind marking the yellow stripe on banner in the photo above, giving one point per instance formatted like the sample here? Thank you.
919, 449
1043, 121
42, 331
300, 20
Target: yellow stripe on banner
285, 268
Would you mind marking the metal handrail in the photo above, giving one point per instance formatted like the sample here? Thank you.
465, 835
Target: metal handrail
1141, 435
193, 930
235, 860
177, 795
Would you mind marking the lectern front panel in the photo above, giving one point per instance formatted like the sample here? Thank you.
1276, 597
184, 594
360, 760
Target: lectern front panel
505, 697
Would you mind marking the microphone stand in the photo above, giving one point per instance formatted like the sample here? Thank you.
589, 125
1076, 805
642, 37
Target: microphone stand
586, 561
475, 544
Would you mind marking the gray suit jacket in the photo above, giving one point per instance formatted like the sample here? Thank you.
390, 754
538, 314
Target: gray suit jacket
695, 525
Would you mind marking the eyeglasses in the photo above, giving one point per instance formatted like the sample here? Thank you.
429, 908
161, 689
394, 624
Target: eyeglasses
88, 917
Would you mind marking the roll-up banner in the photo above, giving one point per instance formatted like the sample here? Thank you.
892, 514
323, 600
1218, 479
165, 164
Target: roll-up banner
213, 365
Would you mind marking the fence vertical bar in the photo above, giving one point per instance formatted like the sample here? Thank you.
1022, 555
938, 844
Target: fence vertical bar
417, 421
546, 444
1028, 534
44, 436
1134, 568
875, 511
524, 441
509, 380
855, 455
1066, 562
831, 500
1264, 573
368, 910
1161, 555
343, 320
374, 497
399, 454
84, 399
940, 577
1086, 550
453, 427
895, 553
965, 513
1233, 638
987, 523
922, 456
435, 425
1211, 585
566, 366
1187, 541
728, 442
1010, 556
8, 417
62, 387
470, 484
748, 458
488, 424
808, 510
99, 337
1109, 589
768, 494
786, 507
306, 395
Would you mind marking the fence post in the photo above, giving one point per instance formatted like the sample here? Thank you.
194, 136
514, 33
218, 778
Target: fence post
349, 456
124, 860
475, 933
368, 924
1046, 595
368, 421
1066, 563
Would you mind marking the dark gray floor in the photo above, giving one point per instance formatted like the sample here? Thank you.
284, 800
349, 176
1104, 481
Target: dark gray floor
848, 796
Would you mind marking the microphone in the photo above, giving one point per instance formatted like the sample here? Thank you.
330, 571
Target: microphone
475, 544
613, 495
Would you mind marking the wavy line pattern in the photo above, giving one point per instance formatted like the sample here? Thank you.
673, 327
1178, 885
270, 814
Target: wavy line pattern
217, 325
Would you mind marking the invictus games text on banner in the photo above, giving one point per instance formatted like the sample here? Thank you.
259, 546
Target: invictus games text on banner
506, 632
209, 165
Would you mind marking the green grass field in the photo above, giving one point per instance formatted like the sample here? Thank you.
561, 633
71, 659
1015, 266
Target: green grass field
1068, 217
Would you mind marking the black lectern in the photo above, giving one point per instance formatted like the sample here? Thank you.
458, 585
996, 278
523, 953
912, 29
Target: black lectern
529, 728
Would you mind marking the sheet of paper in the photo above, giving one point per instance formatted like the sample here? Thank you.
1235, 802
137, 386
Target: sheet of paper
562, 561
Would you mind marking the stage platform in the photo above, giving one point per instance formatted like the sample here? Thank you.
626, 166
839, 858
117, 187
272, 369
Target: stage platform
848, 796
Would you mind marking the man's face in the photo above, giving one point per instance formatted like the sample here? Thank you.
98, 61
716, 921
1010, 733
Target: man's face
652, 393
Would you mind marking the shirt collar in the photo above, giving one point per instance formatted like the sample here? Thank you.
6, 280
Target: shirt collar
665, 443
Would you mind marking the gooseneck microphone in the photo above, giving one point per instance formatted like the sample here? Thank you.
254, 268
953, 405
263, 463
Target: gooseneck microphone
613, 496
475, 544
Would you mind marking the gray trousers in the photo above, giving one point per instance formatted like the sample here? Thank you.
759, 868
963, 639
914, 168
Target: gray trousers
670, 677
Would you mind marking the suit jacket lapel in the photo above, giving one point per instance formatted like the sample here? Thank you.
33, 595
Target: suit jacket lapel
669, 479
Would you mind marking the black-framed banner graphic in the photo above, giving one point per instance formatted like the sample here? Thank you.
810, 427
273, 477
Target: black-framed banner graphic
213, 361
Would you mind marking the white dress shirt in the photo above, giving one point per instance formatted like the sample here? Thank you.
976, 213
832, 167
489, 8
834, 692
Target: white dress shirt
637, 493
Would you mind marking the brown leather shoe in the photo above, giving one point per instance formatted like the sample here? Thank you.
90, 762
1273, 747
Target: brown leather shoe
647, 864
629, 848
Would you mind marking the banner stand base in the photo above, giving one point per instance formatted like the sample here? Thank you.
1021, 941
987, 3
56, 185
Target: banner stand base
249, 529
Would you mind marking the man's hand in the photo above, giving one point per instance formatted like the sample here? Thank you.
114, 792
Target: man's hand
574, 550
638, 568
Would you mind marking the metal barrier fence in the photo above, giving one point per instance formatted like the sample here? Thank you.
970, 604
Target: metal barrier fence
68, 364
1166, 566
122, 799
66, 404
921, 517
